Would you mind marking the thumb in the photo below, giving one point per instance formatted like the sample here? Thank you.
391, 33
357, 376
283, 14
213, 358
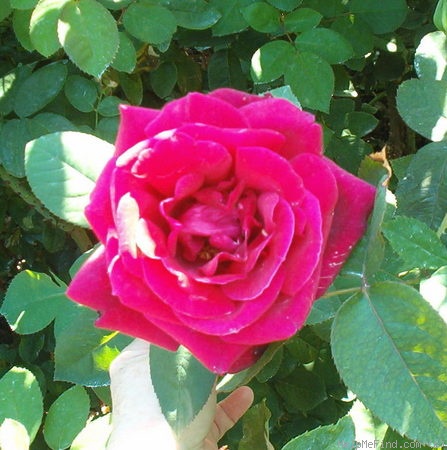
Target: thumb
137, 420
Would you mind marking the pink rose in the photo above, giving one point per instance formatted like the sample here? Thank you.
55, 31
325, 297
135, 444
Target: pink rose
220, 222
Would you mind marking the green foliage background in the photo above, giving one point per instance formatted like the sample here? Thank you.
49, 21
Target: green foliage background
371, 362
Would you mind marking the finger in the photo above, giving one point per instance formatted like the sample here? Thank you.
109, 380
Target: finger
230, 410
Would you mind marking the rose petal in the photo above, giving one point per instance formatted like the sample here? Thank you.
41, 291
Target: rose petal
355, 202
99, 211
171, 157
266, 171
91, 284
186, 295
302, 134
212, 351
245, 314
234, 97
305, 252
128, 321
286, 316
133, 121
233, 138
268, 265
196, 108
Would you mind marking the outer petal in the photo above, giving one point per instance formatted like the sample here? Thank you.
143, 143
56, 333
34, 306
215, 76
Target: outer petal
234, 97
99, 210
217, 355
196, 108
134, 120
286, 316
91, 285
302, 134
355, 202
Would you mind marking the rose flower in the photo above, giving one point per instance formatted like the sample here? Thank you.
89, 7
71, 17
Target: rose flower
220, 223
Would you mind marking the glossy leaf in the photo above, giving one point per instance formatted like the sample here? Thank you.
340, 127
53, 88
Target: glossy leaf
83, 352
89, 35
430, 60
401, 346
21, 19
182, 385
149, 23
232, 20
21, 399
193, 14
312, 81
422, 193
256, 428
382, 17
66, 417
81, 92
421, 105
302, 19
415, 243
330, 437
262, 17
43, 26
271, 60
32, 302
326, 43
40, 89
126, 57
73, 162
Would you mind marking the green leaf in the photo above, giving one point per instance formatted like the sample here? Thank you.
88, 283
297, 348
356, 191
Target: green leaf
43, 26
422, 193
66, 417
132, 87
89, 35
256, 428
192, 14
5, 10
164, 79
9, 85
262, 17
21, 22
23, 4
415, 243
329, 437
45, 123
224, 70
13, 435
271, 60
150, 23
83, 352
430, 60
108, 106
21, 399
14, 135
286, 93
312, 81
395, 440
115, 4
357, 32
329, 8
232, 20
285, 5
231, 381
126, 57
302, 19
107, 129
323, 309
326, 43
401, 346
181, 383
32, 302
81, 92
94, 436
382, 17
434, 290
421, 104
361, 123
40, 89
73, 162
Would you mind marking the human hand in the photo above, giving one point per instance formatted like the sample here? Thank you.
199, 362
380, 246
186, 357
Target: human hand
138, 422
